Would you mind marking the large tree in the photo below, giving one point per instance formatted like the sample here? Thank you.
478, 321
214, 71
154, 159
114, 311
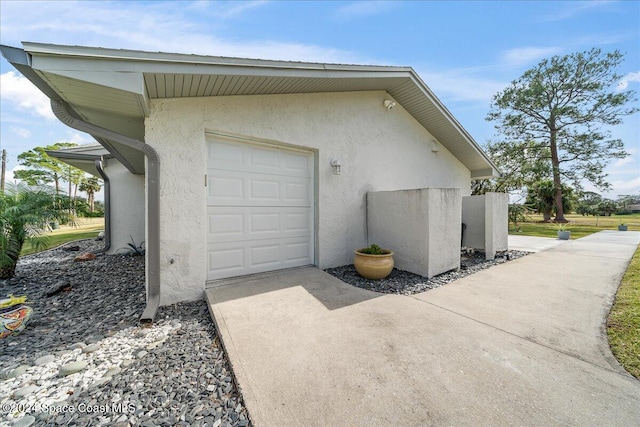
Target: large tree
565, 106
42, 169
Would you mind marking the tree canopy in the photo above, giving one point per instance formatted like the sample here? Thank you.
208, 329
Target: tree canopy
42, 169
563, 109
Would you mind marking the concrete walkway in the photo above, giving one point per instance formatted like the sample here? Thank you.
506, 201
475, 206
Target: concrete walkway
532, 243
522, 343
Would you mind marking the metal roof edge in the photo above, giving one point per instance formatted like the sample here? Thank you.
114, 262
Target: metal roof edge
147, 56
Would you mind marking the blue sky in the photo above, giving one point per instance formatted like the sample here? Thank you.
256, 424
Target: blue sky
465, 51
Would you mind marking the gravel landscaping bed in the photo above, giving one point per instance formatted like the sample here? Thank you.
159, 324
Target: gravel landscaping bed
405, 283
84, 359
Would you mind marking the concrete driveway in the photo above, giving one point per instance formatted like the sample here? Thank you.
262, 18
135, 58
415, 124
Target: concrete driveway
522, 343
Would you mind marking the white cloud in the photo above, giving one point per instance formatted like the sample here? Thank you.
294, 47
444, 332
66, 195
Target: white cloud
522, 56
631, 186
8, 175
363, 8
573, 8
624, 161
19, 90
151, 26
21, 132
630, 77
79, 138
457, 85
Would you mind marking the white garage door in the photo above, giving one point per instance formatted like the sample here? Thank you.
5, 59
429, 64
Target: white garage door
259, 208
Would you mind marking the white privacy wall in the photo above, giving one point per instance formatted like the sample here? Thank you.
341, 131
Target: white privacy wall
127, 206
379, 149
422, 228
486, 218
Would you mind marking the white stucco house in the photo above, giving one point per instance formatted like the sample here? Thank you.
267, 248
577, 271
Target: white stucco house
231, 166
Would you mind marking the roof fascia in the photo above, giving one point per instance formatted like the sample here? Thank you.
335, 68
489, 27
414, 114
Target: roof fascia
21, 60
123, 54
65, 155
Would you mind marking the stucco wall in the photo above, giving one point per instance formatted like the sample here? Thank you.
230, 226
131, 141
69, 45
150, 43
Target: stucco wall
497, 218
486, 217
127, 206
473, 216
422, 227
379, 149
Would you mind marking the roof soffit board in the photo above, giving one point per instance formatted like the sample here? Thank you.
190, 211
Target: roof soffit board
85, 162
83, 93
278, 78
105, 73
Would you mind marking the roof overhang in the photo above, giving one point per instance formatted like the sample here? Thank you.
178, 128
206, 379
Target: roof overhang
112, 88
83, 157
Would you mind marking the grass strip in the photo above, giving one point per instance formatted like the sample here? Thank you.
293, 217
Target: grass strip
623, 324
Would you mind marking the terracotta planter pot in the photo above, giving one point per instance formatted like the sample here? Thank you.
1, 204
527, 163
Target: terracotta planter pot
374, 266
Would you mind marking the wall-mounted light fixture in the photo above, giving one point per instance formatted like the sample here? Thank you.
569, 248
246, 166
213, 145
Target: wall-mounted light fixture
435, 147
389, 104
337, 167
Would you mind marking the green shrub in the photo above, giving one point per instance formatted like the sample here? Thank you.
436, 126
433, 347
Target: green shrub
372, 250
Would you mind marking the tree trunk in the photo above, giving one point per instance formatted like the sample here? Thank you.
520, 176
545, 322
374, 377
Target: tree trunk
75, 194
557, 183
13, 248
91, 204
8, 271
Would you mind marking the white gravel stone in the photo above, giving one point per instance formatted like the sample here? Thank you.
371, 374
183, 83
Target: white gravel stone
24, 391
91, 348
44, 360
183, 356
72, 368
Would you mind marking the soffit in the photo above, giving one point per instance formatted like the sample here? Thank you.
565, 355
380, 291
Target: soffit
112, 88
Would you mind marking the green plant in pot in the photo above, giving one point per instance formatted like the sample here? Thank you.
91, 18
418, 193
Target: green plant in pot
622, 227
373, 262
563, 231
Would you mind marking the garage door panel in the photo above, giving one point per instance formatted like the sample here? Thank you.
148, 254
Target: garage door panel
262, 256
298, 252
233, 188
226, 188
226, 260
265, 223
296, 222
259, 209
252, 158
227, 154
228, 224
240, 258
262, 190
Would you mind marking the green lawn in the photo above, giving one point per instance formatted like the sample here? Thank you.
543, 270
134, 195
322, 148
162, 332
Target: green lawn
623, 325
85, 228
579, 225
